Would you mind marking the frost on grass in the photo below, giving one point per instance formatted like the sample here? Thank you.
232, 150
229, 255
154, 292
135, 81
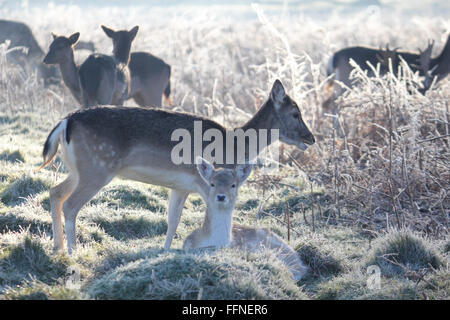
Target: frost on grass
12, 156
321, 262
16, 191
399, 252
225, 274
24, 257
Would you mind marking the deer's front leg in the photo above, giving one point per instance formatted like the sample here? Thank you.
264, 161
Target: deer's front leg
176, 203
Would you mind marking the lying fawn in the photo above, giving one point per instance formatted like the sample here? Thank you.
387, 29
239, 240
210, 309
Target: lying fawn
218, 229
136, 143
104, 79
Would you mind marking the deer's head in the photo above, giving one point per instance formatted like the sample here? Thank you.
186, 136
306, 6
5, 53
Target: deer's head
61, 48
223, 183
288, 118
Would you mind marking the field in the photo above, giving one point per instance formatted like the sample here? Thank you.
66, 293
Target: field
376, 194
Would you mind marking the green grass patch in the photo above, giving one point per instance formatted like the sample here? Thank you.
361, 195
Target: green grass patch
400, 251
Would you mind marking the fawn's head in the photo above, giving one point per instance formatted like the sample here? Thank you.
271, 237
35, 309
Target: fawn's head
223, 183
61, 48
288, 118
121, 40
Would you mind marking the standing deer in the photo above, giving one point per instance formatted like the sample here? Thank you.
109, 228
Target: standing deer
61, 53
20, 35
104, 79
150, 76
136, 143
150, 79
339, 64
218, 229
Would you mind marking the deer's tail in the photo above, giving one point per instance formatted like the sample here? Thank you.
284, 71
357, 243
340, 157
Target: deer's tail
52, 142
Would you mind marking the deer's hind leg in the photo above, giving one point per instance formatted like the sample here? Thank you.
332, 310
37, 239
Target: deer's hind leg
88, 185
58, 195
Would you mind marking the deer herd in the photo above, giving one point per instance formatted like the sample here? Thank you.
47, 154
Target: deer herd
103, 139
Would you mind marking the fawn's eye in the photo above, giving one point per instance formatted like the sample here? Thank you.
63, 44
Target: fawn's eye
233, 185
296, 115
212, 185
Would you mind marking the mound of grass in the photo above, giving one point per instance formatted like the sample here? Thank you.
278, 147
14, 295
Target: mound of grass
399, 251
320, 261
132, 227
12, 156
175, 275
27, 259
36, 290
16, 192
131, 198
15, 221
353, 286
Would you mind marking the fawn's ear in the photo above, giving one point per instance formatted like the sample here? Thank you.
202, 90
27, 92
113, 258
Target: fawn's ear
277, 94
109, 32
204, 168
243, 171
74, 38
133, 32
54, 35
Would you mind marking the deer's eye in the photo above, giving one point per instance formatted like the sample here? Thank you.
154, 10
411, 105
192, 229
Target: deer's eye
296, 115
212, 185
233, 185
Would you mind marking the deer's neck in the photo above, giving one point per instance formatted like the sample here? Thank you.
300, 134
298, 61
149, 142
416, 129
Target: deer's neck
122, 53
262, 123
216, 228
69, 72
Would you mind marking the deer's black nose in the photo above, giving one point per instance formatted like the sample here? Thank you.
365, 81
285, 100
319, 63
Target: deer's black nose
221, 197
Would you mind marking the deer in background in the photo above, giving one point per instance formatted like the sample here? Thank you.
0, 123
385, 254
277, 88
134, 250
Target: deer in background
430, 68
218, 229
106, 79
150, 76
136, 143
20, 35
61, 53
150, 80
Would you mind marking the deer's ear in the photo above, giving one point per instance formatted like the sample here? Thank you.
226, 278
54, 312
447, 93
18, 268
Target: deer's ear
133, 32
277, 93
54, 36
109, 32
74, 38
243, 171
204, 168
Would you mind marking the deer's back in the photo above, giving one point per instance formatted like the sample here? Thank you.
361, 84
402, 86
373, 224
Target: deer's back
131, 126
361, 55
144, 64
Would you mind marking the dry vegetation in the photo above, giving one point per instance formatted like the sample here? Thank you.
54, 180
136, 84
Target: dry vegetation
385, 177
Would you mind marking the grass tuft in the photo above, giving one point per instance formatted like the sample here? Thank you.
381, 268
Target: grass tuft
399, 252
321, 262
17, 191
12, 156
